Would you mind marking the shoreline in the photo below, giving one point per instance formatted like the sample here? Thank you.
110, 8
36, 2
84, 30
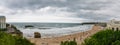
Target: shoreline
79, 37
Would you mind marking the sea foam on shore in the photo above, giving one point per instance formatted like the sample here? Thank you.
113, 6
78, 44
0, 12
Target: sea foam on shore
55, 32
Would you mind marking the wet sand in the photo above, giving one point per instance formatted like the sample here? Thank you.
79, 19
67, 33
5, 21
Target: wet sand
79, 37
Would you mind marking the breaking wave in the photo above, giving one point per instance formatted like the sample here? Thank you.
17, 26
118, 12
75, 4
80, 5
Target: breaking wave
55, 32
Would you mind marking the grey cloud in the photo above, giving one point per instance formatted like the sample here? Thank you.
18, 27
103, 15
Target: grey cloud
32, 4
74, 6
92, 16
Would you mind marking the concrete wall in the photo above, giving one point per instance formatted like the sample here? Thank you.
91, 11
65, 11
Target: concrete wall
2, 22
114, 25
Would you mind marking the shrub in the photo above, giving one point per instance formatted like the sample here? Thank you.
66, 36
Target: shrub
116, 42
104, 37
68, 43
7, 39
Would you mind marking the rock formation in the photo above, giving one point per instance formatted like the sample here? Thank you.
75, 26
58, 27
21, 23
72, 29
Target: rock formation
37, 35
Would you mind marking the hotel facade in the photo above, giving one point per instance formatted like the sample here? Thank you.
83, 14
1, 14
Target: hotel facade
114, 25
2, 22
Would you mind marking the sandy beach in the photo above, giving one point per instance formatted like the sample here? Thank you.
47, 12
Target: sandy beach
79, 37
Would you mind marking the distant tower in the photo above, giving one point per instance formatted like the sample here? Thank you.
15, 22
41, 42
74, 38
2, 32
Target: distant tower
2, 22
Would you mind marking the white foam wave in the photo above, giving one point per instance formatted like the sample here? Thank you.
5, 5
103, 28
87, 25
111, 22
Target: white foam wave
55, 32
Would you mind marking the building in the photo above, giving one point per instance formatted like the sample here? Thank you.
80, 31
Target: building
113, 24
2, 22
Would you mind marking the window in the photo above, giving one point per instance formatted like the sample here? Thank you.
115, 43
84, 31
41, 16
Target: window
117, 29
112, 28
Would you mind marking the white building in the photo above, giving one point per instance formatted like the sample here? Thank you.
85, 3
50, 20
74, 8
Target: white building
114, 25
2, 22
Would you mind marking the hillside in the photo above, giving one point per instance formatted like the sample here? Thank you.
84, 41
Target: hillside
8, 39
104, 37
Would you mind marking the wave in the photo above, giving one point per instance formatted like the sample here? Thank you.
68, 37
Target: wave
55, 32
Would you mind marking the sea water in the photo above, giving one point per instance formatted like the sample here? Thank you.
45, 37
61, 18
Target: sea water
48, 30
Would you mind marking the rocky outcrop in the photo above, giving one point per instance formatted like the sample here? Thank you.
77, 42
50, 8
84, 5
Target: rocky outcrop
11, 29
37, 35
29, 26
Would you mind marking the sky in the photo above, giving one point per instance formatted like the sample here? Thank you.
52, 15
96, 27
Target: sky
71, 11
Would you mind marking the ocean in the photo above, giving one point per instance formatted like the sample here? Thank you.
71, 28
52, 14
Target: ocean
48, 30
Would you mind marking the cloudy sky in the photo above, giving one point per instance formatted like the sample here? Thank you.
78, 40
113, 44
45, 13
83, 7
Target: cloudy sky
59, 10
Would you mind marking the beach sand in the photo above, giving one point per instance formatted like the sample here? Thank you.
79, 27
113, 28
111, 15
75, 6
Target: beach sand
79, 37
